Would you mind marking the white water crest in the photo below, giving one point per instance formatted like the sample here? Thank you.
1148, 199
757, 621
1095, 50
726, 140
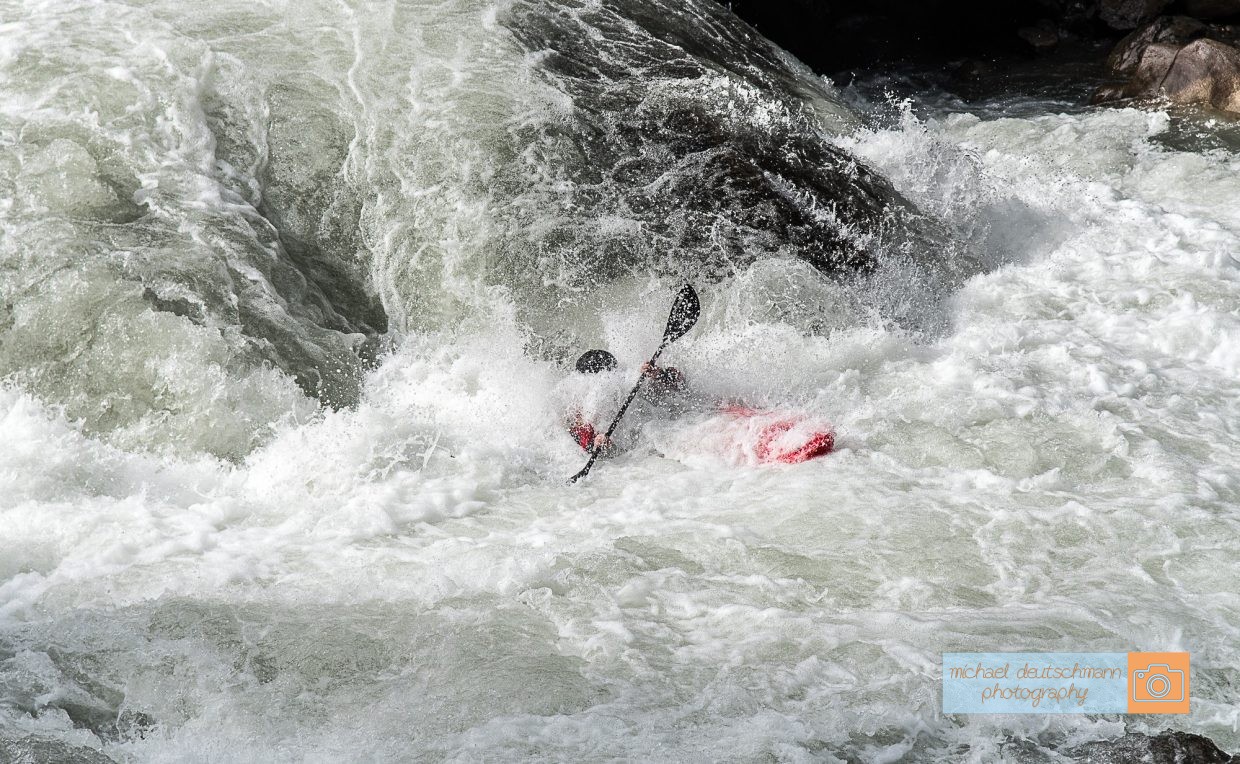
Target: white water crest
287, 294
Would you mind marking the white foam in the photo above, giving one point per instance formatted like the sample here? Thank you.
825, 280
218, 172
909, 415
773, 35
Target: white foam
1056, 471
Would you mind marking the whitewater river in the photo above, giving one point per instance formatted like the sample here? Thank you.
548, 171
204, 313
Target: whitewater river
287, 294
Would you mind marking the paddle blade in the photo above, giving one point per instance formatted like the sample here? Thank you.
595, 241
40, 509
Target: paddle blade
684, 314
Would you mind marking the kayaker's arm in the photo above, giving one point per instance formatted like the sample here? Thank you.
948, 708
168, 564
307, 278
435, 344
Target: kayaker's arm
586, 436
664, 380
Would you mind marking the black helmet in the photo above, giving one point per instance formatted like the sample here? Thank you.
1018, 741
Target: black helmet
594, 361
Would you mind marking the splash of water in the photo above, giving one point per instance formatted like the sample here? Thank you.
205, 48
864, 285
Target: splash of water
252, 192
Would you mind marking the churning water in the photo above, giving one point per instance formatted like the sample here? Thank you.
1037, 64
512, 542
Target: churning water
286, 296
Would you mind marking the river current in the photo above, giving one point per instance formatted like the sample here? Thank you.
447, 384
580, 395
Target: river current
287, 296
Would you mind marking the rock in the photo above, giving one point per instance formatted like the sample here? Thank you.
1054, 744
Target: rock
1072, 17
1151, 69
1204, 71
1145, 78
33, 749
738, 166
1128, 14
1108, 93
1177, 30
1165, 748
1042, 36
1212, 9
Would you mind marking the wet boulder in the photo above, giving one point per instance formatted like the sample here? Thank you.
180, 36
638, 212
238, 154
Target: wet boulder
1204, 71
692, 142
1173, 30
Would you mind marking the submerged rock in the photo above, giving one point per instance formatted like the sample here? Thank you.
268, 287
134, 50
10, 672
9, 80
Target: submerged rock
1172, 747
691, 134
34, 749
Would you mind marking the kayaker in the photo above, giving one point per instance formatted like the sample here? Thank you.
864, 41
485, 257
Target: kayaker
661, 385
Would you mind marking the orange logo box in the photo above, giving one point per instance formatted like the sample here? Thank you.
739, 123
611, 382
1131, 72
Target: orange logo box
1158, 683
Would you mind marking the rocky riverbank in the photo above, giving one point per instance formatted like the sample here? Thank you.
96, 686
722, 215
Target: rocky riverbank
1185, 52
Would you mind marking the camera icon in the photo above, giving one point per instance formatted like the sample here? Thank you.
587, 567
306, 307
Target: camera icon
1158, 683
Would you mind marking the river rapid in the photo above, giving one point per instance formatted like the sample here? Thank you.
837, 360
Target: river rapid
289, 298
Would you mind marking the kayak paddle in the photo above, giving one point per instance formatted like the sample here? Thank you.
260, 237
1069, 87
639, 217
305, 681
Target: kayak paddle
684, 315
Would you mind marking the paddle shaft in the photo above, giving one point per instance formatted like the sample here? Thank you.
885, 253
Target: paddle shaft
684, 315
595, 450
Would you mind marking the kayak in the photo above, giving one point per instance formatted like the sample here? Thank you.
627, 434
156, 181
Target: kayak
777, 437
745, 436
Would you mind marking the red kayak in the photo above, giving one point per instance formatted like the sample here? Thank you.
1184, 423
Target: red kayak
742, 435
778, 436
